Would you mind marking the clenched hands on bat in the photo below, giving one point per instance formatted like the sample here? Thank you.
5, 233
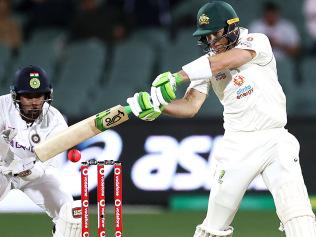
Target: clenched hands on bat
144, 106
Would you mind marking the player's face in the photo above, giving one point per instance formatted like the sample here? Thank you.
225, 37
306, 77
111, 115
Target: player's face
217, 42
31, 106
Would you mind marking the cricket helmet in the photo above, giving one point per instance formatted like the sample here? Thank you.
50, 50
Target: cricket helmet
31, 79
214, 16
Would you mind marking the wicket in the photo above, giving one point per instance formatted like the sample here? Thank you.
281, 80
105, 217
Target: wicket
118, 218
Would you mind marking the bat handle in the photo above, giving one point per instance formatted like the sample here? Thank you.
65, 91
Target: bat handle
127, 109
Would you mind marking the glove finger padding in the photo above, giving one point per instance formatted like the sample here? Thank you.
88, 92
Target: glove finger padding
162, 79
150, 115
142, 106
168, 92
165, 84
144, 101
149, 111
134, 105
154, 97
162, 95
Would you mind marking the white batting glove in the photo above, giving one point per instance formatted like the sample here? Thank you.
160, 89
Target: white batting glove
134, 105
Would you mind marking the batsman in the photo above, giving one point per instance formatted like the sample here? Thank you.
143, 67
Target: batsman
241, 69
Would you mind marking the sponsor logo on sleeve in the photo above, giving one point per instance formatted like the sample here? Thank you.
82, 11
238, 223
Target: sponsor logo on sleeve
238, 80
244, 91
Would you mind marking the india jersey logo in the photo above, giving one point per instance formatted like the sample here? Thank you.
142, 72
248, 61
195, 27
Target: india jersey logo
239, 80
35, 138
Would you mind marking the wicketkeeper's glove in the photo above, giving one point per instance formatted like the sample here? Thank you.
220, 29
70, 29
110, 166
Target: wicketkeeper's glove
6, 137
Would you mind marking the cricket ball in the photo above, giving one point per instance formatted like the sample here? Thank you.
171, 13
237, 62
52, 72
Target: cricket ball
74, 155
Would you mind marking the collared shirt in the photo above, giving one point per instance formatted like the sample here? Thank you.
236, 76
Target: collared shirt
29, 135
251, 95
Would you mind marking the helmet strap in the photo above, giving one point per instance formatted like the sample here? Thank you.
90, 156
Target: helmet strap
231, 33
18, 106
204, 44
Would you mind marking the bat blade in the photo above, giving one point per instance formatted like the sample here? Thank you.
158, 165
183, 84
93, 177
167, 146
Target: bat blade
81, 131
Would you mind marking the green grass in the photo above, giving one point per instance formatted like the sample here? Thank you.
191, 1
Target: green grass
173, 224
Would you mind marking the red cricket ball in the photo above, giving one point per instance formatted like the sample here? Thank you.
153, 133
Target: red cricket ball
74, 155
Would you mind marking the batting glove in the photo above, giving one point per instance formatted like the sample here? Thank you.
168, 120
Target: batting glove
164, 87
142, 106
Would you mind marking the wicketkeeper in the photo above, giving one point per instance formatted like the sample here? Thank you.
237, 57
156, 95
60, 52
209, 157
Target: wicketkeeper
26, 119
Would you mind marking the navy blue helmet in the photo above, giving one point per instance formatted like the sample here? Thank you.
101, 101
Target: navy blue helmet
31, 79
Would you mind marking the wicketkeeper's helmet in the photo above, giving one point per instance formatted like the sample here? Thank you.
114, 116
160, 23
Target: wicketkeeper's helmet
31, 79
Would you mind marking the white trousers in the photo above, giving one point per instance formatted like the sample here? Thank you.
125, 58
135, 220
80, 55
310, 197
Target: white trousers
45, 192
240, 157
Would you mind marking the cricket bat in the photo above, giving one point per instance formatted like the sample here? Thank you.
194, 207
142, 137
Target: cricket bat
81, 131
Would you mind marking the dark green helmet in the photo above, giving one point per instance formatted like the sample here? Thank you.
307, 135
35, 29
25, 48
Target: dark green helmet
214, 16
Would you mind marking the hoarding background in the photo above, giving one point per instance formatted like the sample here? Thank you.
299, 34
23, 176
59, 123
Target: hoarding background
161, 159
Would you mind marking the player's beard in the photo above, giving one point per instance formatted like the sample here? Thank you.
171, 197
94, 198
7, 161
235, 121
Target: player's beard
30, 115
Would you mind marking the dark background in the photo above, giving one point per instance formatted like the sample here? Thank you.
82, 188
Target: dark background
134, 134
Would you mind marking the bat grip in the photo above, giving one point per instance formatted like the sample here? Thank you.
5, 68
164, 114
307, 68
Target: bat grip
127, 109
